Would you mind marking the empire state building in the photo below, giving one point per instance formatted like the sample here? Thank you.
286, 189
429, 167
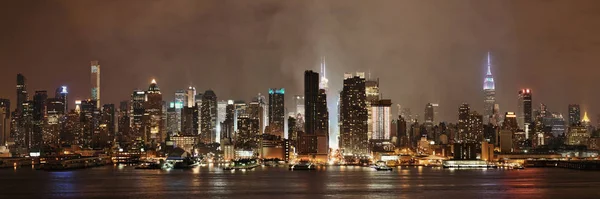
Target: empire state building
489, 90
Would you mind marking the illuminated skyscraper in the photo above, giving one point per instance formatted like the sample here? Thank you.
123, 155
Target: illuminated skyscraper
311, 93
152, 120
62, 95
372, 92
21, 92
353, 116
524, 116
323, 84
39, 115
190, 97
178, 104
138, 99
315, 140
382, 119
95, 83
463, 121
208, 117
574, 114
277, 110
429, 113
489, 91
221, 115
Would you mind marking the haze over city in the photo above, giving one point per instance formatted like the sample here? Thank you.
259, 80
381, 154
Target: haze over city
422, 51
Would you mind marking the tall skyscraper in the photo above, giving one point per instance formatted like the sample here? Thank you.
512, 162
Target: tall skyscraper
221, 116
510, 122
208, 117
190, 121
323, 84
152, 119
95, 83
429, 113
4, 121
107, 127
178, 104
463, 121
277, 110
138, 99
315, 139
190, 97
353, 116
311, 93
475, 134
382, 119
21, 92
62, 95
489, 91
525, 107
574, 114
39, 115
372, 92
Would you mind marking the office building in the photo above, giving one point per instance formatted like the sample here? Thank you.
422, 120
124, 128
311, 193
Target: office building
153, 112
22, 95
489, 92
353, 116
463, 121
208, 117
524, 116
574, 114
95, 83
4, 121
381, 114
277, 110
190, 97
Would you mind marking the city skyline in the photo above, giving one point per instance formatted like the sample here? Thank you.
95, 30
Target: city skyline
517, 60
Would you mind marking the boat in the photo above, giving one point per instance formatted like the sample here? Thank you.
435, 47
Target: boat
180, 163
149, 165
242, 164
303, 165
381, 166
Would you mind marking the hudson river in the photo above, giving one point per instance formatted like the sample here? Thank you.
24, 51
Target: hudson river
278, 182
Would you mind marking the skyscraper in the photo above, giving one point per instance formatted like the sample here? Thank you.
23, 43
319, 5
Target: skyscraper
138, 99
574, 114
311, 93
178, 104
524, 116
62, 95
277, 110
489, 91
353, 116
4, 121
21, 92
39, 114
152, 120
429, 113
323, 84
190, 97
463, 121
221, 116
89, 120
208, 117
107, 127
95, 83
382, 119
475, 134
372, 92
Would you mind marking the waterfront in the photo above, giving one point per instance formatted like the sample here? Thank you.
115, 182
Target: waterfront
276, 182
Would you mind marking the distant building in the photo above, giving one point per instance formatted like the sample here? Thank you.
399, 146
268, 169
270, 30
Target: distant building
4, 121
506, 140
381, 115
574, 114
39, 116
524, 115
190, 121
208, 117
152, 123
277, 109
510, 122
463, 121
316, 134
95, 82
465, 151
578, 135
489, 91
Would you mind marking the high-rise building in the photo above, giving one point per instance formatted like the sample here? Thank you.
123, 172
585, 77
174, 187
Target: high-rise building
39, 115
178, 104
95, 83
208, 117
21, 92
525, 107
299, 105
221, 116
124, 122
429, 113
510, 122
317, 116
90, 121
277, 110
4, 121
190, 97
152, 119
190, 121
574, 114
372, 92
353, 116
475, 127
107, 127
323, 84
489, 92
138, 99
381, 114
248, 134
463, 121
62, 95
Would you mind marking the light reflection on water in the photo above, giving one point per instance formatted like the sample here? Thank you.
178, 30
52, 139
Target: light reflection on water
267, 182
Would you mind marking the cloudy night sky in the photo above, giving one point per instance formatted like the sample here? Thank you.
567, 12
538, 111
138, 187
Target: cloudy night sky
422, 51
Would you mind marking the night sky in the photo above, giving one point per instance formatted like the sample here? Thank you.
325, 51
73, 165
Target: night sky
422, 51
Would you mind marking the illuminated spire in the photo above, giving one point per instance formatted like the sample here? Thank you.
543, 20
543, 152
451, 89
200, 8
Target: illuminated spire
324, 80
585, 118
153, 81
488, 82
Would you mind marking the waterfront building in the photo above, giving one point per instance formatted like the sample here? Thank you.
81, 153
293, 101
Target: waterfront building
353, 116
